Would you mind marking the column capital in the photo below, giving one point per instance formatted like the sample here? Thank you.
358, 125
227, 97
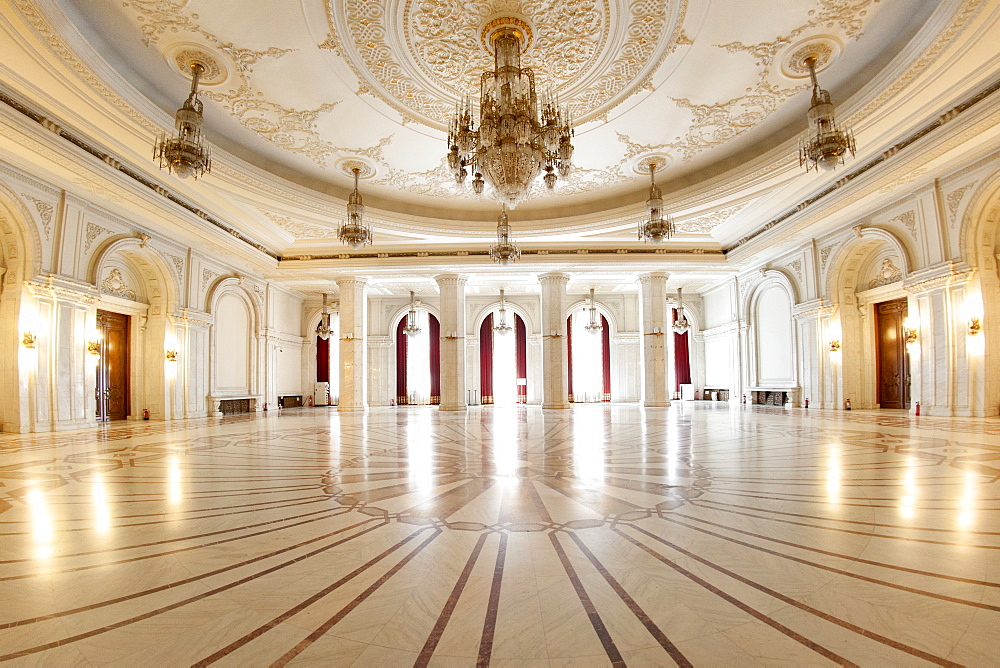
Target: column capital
451, 279
653, 276
350, 281
554, 277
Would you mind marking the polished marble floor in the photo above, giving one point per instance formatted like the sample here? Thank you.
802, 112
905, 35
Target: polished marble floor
700, 534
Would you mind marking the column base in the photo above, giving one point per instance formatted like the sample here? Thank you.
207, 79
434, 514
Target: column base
656, 404
351, 409
562, 406
452, 407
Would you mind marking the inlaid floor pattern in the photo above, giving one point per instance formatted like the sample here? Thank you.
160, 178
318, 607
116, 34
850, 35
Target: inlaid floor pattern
700, 534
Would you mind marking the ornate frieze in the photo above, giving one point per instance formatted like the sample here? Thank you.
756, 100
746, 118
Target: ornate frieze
115, 285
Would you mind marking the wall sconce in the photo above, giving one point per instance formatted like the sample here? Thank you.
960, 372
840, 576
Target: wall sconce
29, 340
171, 355
94, 347
835, 346
909, 335
975, 326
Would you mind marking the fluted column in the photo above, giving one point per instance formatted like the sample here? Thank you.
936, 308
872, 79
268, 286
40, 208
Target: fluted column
452, 309
653, 288
555, 372
353, 350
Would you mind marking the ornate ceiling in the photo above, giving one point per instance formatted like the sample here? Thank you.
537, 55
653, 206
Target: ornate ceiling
301, 91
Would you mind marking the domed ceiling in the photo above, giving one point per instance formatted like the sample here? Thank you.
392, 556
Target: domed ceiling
308, 89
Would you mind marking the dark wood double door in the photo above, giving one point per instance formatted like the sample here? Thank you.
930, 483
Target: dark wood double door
112, 367
892, 363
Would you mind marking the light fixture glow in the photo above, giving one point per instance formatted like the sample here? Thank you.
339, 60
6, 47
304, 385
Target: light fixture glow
171, 355
29, 340
323, 328
681, 325
186, 153
354, 232
412, 328
512, 144
658, 225
595, 326
824, 145
504, 251
501, 326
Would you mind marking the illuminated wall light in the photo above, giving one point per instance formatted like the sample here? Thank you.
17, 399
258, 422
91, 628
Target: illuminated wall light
835, 346
29, 340
94, 348
975, 326
171, 355
909, 333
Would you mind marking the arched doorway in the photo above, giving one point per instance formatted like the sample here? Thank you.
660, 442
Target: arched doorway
503, 360
589, 357
328, 356
418, 361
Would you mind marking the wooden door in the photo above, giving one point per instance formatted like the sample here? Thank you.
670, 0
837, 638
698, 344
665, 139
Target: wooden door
891, 360
113, 367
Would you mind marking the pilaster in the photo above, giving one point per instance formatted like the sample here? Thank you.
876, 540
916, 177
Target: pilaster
353, 350
452, 309
555, 371
653, 304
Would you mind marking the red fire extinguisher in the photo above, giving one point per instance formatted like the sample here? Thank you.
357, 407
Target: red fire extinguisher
696, 395
847, 404
145, 413
806, 403
916, 409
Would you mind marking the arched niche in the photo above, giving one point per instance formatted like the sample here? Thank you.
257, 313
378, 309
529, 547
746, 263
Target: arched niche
868, 269
980, 249
20, 252
773, 344
234, 344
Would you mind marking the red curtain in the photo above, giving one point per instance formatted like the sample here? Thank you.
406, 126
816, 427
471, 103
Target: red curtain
486, 360
434, 331
605, 360
401, 397
682, 359
322, 360
569, 355
521, 343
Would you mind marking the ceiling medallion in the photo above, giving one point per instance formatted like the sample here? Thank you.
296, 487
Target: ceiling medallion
182, 55
346, 166
186, 153
512, 143
825, 49
420, 57
659, 161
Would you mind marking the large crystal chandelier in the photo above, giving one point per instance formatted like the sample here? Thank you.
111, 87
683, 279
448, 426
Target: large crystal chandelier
353, 231
681, 325
513, 144
658, 225
504, 250
186, 153
501, 326
595, 326
323, 329
824, 145
412, 328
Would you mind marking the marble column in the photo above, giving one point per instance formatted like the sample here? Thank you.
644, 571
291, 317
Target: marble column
555, 371
653, 289
452, 309
353, 350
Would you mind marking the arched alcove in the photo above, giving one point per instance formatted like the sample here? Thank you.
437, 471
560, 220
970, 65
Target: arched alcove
234, 348
771, 346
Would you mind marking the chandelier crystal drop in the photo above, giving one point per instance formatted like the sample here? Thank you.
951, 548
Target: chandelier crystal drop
658, 225
323, 329
186, 153
513, 144
353, 231
595, 326
412, 328
504, 250
824, 144
681, 325
501, 326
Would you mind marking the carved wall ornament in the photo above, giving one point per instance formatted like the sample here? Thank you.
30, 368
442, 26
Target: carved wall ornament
706, 223
889, 273
207, 276
93, 232
45, 212
907, 219
954, 201
114, 285
796, 267
824, 256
